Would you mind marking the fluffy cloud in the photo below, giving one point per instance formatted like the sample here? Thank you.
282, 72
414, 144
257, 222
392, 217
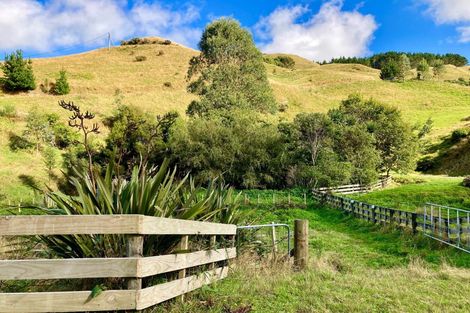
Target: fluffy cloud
329, 33
30, 24
451, 12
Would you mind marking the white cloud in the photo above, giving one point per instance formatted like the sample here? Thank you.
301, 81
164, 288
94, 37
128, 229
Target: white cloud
451, 12
464, 34
29, 24
329, 33
448, 11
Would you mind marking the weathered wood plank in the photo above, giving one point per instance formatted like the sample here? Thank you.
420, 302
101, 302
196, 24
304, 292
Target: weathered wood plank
109, 267
163, 292
168, 263
108, 224
68, 224
167, 226
70, 301
68, 268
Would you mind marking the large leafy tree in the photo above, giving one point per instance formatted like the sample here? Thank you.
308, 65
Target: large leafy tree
393, 138
18, 73
229, 72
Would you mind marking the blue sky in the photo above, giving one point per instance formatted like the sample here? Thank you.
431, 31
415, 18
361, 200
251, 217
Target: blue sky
315, 29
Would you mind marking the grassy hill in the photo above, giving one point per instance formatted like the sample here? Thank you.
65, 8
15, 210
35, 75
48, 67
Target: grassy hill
100, 79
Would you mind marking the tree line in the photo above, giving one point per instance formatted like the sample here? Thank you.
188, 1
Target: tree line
378, 61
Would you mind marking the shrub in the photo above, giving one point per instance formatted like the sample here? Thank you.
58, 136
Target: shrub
284, 61
390, 71
8, 110
140, 58
18, 73
160, 53
167, 84
62, 86
166, 42
458, 134
466, 182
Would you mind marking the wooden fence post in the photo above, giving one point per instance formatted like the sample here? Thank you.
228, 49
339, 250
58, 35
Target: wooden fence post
414, 222
135, 248
183, 245
301, 244
374, 215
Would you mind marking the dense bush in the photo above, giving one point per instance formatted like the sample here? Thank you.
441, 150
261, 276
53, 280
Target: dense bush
18, 73
466, 182
390, 71
281, 60
61, 86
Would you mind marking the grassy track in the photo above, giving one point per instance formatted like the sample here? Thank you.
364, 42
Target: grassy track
355, 267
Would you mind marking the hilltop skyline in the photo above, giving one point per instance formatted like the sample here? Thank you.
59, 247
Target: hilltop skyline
316, 30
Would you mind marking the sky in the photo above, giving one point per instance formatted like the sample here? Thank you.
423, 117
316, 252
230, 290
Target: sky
315, 29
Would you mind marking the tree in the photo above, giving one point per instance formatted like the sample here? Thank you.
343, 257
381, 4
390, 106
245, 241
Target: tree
404, 66
390, 71
393, 138
438, 68
423, 70
49, 157
38, 130
136, 138
18, 73
229, 72
62, 86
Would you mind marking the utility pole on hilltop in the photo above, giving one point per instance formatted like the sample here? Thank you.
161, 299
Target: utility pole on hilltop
109, 41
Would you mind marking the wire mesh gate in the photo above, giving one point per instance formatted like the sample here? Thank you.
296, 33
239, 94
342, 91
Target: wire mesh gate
275, 237
447, 225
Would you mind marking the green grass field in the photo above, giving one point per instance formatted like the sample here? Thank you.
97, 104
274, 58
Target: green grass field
354, 267
418, 190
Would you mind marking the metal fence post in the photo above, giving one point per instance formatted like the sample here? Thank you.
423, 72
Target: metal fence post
301, 244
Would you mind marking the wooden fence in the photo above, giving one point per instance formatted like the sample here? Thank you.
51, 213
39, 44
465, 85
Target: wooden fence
371, 213
133, 267
357, 188
448, 225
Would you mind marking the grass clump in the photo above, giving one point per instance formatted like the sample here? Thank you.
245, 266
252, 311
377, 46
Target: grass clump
140, 58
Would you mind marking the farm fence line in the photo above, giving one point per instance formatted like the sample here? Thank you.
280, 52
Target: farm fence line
445, 224
206, 266
383, 182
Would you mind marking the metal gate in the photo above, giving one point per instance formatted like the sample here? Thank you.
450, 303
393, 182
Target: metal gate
447, 225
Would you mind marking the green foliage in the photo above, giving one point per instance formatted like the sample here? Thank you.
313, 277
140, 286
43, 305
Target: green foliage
229, 73
38, 129
393, 138
156, 193
423, 70
438, 68
241, 146
426, 128
62, 86
18, 142
137, 137
379, 60
18, 73
8, 110
281, 60
466, 181
390, 71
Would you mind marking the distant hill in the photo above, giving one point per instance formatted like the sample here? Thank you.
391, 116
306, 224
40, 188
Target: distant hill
100, 79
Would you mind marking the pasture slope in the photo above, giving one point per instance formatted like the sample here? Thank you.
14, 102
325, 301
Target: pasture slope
102, 79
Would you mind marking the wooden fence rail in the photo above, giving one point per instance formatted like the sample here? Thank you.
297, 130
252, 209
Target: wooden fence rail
133, 267
358, 188
451, 229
